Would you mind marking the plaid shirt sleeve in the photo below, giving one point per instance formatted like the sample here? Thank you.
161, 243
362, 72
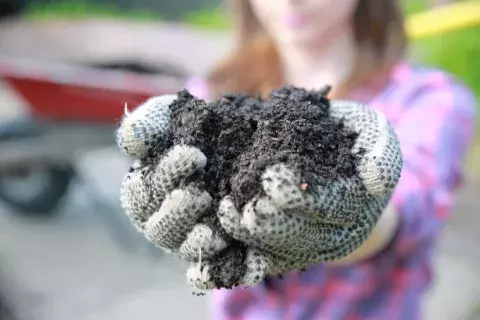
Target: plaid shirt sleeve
434, 131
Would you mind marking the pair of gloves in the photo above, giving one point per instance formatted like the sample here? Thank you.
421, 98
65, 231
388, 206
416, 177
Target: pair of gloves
284, 228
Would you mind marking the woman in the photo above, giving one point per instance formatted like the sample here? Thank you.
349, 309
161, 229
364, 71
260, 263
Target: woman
358, 47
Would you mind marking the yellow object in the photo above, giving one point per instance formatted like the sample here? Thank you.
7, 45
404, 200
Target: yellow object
436, 21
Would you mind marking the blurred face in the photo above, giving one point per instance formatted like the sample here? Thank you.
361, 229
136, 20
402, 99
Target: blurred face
303, 21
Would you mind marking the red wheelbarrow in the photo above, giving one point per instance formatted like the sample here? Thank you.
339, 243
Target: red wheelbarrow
71, 107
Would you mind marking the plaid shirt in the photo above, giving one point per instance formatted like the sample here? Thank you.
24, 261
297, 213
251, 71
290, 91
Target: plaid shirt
434, 118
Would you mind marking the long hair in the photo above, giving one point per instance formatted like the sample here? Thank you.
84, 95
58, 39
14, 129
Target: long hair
254, 66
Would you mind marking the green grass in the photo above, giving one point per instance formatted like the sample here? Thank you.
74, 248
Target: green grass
212, 19
74, 9
414, 6
456, 52
208, 18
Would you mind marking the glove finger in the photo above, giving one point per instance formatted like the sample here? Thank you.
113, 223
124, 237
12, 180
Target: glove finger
244, 226
200, 276
381, 164
202, 240
335, 203
284, 188
144, 189
134, 197
292, 237
230, 219
146, 128
169, 226
257, 267
179, 163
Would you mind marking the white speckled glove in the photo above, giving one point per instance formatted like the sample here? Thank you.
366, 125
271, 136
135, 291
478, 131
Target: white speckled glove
288, 226
155, 194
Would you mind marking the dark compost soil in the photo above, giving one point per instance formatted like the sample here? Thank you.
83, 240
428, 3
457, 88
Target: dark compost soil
241, 136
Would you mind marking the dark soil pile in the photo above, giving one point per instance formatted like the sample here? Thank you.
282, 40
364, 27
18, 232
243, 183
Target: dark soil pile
241, 136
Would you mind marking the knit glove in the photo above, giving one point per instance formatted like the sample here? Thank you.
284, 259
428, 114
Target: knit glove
291, 226
156, 194
288, 226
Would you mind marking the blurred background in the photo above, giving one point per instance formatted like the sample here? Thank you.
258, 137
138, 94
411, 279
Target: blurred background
66, 68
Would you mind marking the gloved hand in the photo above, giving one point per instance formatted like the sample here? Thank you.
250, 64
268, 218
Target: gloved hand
156, 194
291, 226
